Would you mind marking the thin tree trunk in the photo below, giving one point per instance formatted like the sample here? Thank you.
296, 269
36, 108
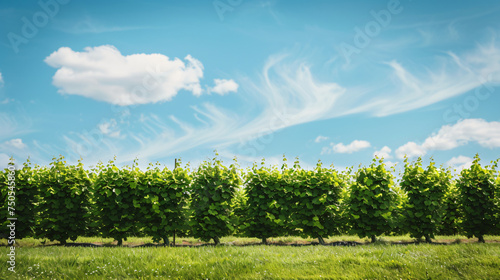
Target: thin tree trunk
175, 167
216, 240
481, 239
321, 240
165, 241
428, 239
374, 238
120, 242
264, 240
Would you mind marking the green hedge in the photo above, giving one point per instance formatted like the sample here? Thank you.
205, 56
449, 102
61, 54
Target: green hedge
26, 203
478, 200
426, 190
371, 201
164, 204
63, 202
213, 189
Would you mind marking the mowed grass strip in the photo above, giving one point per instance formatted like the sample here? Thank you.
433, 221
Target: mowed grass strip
234, 240
465, 261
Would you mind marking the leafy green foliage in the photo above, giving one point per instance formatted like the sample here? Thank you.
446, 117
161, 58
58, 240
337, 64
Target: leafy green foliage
371, 201
64, 207
397, 219
213, 188
343, 215
240, 210
61, 201
93, 218
479, 200
313, 196
459, 261
164, 202
115, 191
25, 191
426, 189
451, 217
266, 214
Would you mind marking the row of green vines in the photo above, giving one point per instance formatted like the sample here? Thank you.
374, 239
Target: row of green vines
63, 201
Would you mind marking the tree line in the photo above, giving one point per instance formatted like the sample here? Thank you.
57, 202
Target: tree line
63, 201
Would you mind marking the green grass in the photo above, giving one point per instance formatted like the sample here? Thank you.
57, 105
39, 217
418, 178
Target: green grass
375, 261
233, 240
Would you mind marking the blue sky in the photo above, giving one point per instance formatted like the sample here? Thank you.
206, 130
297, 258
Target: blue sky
322, 80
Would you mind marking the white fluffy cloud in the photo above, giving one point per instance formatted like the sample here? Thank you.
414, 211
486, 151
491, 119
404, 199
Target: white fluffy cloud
486, 134
223, 86
385, 153
104, 74
320, 138
289, 94
460, 162
16, 143
410, 149
291, 97
340, 148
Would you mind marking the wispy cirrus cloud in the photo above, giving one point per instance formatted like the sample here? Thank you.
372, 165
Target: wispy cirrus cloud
91, 25
410, 90
288, 94
14, 126
110, 128
287, 91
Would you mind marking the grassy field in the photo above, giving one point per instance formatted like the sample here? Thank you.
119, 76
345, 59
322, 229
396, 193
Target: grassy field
373, 261
232, 240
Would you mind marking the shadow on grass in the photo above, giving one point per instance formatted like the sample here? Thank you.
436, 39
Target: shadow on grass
379, 242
